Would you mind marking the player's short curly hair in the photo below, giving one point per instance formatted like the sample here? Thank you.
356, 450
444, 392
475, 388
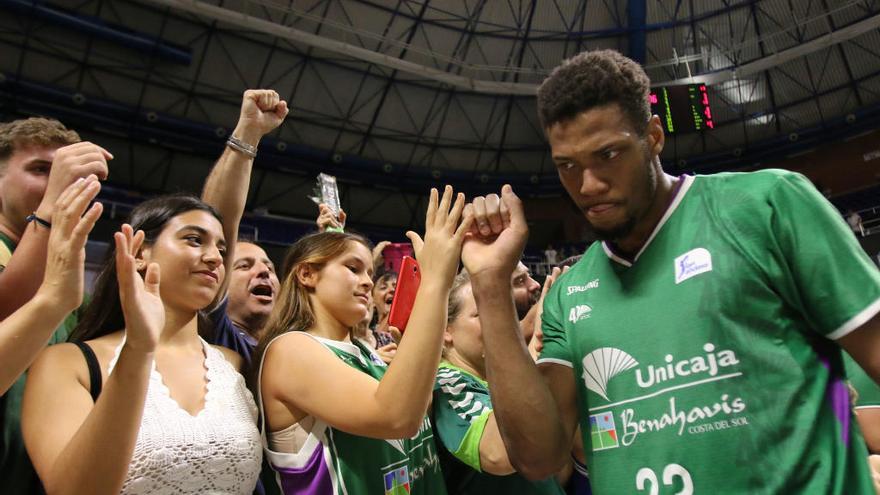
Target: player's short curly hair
592, 79
35, 131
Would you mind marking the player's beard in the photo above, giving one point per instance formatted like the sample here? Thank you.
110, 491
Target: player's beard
617, 232
626, 227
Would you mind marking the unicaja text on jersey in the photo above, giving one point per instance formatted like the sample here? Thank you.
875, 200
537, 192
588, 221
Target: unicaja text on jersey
710, 363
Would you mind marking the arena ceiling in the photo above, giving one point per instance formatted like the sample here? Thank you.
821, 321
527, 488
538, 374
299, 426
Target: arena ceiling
394, 95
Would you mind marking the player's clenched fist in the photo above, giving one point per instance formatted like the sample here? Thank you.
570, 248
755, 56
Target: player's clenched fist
496, 239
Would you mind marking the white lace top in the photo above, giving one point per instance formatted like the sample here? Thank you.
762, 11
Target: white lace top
217, 451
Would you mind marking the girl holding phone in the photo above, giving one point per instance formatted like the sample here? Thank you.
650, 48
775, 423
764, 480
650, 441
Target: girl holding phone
336, 419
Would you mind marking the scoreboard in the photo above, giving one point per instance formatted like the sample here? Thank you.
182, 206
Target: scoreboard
683, 108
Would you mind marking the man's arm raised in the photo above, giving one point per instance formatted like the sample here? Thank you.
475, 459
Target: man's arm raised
536, 417
226, 188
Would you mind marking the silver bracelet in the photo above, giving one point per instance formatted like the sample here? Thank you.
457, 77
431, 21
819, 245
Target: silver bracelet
239, 145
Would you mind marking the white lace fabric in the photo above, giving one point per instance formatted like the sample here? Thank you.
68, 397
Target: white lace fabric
217, 451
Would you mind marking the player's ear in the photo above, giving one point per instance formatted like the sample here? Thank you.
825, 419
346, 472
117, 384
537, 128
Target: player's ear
655, 136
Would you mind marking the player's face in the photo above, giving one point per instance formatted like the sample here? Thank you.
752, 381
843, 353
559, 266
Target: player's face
526, 290
344, 284
607, 168
465, 331
23, 184
253, 283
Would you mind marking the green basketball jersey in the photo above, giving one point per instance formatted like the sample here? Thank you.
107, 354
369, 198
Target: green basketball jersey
332, 461
462, 407
706, 364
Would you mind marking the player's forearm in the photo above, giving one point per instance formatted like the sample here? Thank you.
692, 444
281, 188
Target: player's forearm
24, 333
523, 405
23, 274
411, 373
96, 459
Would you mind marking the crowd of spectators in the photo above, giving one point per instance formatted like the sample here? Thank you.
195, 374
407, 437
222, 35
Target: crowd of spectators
196, 366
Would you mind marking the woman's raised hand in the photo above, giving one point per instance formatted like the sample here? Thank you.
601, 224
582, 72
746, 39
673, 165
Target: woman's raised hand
445, 226
139, 297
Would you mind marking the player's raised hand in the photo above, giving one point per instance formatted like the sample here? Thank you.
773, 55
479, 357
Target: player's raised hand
262, 110
497, 236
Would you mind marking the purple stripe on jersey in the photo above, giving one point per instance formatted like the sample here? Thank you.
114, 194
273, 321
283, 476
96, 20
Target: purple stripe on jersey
837, 395
311, 479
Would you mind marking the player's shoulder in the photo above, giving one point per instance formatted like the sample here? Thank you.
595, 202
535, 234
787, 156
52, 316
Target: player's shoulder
581, 272
745, 198
585, 263
757, 183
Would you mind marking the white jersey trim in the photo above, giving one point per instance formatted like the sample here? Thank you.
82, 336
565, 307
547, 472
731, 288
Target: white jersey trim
350, 348
856, 321
687, 182
867, 407
615, 257
341, 345
554, 361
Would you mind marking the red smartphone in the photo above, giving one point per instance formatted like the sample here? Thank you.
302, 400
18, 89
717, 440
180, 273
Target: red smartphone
408, 279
